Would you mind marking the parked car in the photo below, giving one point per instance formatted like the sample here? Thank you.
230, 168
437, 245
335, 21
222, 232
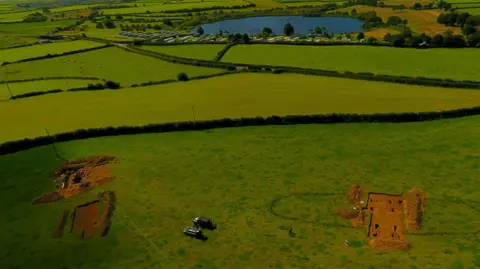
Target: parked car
204, 223
194, 232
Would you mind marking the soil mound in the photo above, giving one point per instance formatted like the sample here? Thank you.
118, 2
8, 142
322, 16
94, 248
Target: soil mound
355, 194
347, 214
361, 219
77, 176
414, 208
62, 221
387, 244
48, 198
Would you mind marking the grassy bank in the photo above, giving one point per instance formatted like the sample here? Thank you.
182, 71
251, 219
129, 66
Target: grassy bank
243, 95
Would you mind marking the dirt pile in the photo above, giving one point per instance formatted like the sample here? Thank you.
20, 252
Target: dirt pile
48, 198
347, 214
361, 219
355, 194
109, 204
414, 208
62, 221
77, 176
388, 244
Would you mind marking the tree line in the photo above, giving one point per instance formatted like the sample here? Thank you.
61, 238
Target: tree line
20, 145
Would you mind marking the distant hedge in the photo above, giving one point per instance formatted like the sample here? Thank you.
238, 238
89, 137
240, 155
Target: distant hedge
30, 94
438, 82
19, 145
48, 56
48, 78
221, 53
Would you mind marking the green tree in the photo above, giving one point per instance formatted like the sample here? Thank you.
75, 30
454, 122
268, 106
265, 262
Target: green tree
468, 29
320, 30
474, 40
200, 30
266, 31
398, 40
183, 77
246, 39
360, 36
288, 29
417, 6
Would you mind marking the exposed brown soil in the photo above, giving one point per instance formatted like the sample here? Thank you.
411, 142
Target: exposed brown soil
355, 194
48, 198
388, 244
361, 219
86, 220
62, 221
414, 208
77, 176
347, 214
109, 203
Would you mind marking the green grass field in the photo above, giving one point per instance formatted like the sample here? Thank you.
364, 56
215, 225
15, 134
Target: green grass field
232, 176
435, 63
203, 52
17, 54
173, 6
32, 29
14, 17
42, 85
233, 96
110, 63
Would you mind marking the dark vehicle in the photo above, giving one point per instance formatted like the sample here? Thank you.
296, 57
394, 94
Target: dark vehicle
194, 232
204, 223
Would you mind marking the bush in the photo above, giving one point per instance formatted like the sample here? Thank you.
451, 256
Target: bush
112, 85
182, 77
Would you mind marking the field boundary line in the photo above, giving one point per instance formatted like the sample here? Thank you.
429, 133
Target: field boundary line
167, 127
50, 56
48, 78
421, 81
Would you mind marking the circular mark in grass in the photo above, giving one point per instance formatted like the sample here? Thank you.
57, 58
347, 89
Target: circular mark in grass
311, 207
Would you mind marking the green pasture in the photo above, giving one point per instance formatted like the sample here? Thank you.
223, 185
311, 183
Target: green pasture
109, 34
172, 6
232, 175
14, 16
111, 63
232, 96
472, 11
203, 52
42, 85
32, 29
70, 8
11, 41
436, 63
16, 54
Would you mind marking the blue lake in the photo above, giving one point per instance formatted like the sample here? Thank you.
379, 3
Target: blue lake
302, 25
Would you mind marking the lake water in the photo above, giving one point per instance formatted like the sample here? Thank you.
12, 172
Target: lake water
302, 25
